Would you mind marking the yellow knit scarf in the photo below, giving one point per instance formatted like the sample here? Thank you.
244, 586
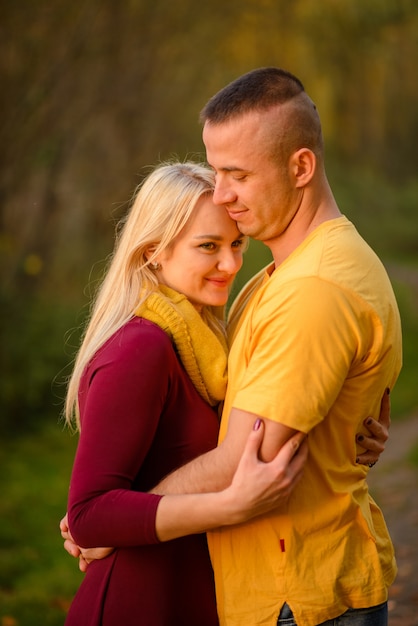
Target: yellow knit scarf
202, 352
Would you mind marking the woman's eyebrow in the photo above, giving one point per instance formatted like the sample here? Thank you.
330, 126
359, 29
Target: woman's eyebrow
216, 237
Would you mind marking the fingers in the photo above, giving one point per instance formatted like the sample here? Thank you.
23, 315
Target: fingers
254, 439
252, 445
64, 524
75, 551
72, 548
374, 444
290, 461
258, 486
378, 432
69, 545
373, 447
65, 530
292, 454
367, 458
65, 534
295, 447
380, 428
297, 462
82, 564
384, 417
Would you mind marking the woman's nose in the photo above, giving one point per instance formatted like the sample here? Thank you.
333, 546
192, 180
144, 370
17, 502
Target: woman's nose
230, 262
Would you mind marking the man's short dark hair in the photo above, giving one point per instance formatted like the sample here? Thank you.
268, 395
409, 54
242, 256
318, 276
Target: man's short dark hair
257, 90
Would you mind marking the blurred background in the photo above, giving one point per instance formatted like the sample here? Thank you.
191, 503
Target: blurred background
93, 92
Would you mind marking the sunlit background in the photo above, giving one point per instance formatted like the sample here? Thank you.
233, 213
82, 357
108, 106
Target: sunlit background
94, 92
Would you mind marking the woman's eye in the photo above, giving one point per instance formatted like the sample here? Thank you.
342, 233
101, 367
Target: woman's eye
207, 246
238, 243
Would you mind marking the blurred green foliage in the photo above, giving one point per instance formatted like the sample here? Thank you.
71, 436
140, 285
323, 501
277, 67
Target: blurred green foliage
34, 361
404, 397
413, 456
37, 579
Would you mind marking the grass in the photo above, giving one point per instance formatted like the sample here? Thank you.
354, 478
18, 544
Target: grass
37, 577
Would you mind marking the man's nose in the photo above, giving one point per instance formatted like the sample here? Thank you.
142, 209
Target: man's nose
223, 193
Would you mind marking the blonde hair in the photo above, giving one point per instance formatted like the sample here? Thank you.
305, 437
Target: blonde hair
162, 206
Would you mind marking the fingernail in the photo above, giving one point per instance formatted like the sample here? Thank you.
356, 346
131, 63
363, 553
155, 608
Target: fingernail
369, 421
257, 424
388, 391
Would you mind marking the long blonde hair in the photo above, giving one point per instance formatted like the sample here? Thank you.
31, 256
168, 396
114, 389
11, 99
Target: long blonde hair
162, 205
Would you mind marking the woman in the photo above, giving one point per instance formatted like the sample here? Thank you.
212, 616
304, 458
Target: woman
145, 393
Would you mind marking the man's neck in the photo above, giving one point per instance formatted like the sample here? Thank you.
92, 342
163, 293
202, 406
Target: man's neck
310, 217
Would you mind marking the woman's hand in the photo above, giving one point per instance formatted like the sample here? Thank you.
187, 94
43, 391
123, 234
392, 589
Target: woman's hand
84, 555
257, 487
379, 434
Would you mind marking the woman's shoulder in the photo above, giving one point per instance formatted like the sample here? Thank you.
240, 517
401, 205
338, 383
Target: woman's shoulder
139, 350
137, 340
141, 328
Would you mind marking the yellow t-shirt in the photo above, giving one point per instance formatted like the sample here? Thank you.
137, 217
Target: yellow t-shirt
318, 343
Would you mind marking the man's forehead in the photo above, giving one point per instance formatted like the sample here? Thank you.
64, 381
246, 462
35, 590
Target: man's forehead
233, 147
233, 122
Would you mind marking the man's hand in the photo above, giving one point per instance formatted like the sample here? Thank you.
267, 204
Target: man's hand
379, 434
84, 555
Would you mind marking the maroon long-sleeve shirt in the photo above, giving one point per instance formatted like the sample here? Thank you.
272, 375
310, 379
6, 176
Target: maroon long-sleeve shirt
141, 418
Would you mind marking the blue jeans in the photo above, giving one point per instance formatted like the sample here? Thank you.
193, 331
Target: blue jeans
373, 616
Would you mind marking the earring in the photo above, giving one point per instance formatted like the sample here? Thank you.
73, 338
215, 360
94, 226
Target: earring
155, 266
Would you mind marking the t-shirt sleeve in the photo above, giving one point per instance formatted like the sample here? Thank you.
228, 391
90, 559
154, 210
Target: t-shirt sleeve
300, 350
122, 395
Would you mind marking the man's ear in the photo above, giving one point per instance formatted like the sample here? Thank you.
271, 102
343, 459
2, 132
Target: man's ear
303, 166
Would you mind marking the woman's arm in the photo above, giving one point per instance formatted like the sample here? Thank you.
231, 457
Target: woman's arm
121, 401
257, 487
374, 446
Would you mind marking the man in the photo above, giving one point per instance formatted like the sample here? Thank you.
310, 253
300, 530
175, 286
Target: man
317, 344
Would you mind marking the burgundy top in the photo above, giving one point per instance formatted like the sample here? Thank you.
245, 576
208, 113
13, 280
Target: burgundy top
141, 418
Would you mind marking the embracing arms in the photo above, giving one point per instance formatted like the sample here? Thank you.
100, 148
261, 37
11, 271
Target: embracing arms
214, 470
285, 471
256, 487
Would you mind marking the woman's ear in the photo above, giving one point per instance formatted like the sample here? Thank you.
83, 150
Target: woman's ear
149, 252
303, 166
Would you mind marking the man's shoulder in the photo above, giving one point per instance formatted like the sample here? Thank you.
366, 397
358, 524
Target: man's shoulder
335, 251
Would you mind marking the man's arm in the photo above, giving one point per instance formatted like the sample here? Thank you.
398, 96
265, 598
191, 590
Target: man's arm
256, 488
374, 446
214, 470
